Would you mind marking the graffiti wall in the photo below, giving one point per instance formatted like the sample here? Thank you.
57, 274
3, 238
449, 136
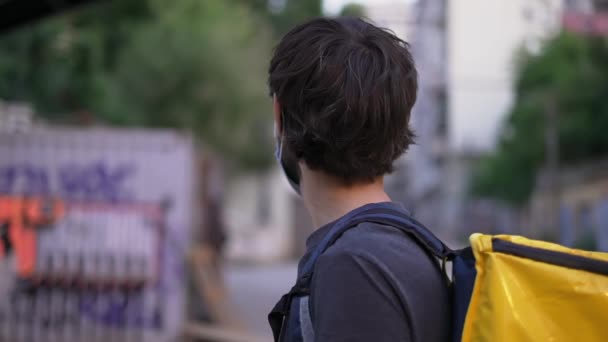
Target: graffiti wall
106, 257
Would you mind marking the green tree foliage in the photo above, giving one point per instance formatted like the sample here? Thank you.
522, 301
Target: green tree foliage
572, 70
353, 10
195, 65
295, 12
284, 14
60, 65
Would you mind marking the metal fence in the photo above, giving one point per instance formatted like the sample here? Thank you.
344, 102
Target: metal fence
95, 275
94, 226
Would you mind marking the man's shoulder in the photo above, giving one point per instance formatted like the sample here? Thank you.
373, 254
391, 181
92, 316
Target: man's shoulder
388, 271
387, 251
378, 241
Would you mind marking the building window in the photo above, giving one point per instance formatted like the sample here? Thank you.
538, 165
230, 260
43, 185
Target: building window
442, 120
263, 201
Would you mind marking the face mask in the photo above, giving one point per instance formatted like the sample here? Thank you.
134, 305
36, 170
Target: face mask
288, 162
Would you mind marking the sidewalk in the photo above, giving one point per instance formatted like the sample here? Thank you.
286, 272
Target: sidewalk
253, 291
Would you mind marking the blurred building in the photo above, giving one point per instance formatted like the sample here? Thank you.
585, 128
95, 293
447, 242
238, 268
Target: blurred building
265, 218
400, 18
415, 181
467, 56
484, 38
396, 16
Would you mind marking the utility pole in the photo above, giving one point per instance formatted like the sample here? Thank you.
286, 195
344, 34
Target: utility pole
552, 153
424, 175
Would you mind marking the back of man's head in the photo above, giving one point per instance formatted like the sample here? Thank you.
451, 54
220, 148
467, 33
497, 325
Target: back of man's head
346, 89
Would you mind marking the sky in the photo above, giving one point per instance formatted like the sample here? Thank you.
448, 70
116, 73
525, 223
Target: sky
334, 6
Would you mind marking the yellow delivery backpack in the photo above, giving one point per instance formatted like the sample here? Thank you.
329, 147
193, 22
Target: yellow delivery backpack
504, 288
509, 288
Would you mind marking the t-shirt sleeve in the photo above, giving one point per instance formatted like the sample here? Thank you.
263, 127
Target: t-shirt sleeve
353, 300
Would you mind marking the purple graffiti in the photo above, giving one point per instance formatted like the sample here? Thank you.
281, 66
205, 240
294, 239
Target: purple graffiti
95, 181
7, 178
30, 179
124, 310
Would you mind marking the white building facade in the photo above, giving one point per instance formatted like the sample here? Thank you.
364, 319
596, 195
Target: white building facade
466, 53
394, 15
484, 38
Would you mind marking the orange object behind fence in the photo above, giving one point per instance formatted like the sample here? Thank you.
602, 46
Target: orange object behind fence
22, 217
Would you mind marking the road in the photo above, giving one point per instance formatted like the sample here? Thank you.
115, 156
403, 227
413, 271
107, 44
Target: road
254, 290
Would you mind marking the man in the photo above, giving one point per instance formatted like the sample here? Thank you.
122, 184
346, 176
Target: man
343, 91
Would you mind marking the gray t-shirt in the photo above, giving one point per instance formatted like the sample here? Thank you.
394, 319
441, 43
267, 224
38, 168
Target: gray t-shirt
377, 284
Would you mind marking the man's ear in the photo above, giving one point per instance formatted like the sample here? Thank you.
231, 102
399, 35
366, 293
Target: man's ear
277, 113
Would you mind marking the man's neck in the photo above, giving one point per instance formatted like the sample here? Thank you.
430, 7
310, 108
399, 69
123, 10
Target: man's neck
328, 200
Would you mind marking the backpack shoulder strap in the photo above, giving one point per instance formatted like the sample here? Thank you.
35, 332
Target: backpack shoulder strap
382, 213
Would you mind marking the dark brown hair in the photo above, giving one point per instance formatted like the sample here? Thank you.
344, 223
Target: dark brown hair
346, 88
